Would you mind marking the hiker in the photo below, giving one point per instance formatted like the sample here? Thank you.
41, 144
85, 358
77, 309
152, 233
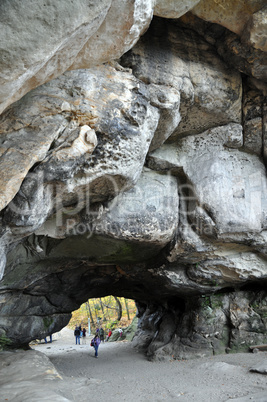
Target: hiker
101, 334
120, 332
77, 334
109, 335
84, 336
50, 339
95, 342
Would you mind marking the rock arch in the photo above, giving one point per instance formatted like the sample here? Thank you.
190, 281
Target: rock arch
165, 203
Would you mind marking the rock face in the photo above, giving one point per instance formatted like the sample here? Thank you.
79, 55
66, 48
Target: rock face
141, 172
51, 38
24, 367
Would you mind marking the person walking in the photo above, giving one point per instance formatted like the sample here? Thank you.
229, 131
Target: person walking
101, 334
84, 336
95, 342
77, 334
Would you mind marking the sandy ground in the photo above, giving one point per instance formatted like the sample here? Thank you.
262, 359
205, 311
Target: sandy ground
120, 373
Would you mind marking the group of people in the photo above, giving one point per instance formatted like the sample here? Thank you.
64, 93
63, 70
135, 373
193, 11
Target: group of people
95, 342
80, 333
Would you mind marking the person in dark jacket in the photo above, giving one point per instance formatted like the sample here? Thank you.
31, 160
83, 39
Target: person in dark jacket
84, 336
77, 334
95, 343
101, 334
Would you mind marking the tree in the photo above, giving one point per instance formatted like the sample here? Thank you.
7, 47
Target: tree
127, 308
102, 308
90, 313
119, 308
115, 311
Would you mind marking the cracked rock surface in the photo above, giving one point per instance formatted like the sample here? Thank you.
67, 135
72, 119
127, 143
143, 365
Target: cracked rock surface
133, 163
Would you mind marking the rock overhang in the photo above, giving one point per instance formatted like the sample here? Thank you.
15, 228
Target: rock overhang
152, 229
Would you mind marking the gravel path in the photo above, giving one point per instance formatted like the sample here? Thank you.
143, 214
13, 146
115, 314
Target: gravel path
120, 373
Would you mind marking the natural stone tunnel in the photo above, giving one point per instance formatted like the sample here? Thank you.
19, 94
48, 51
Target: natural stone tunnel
140, 172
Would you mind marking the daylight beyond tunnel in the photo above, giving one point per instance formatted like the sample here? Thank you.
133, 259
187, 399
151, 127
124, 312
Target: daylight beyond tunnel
175, 314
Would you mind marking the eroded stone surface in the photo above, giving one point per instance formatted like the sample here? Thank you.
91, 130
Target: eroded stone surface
162, 58
254, 30
233, 14
237, 204
143, 178
125, 22
203, 331
173, 8
35, 49
148, 213
118, 114
38, 44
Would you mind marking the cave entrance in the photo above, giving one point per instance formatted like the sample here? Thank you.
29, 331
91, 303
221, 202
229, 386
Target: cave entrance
109, 313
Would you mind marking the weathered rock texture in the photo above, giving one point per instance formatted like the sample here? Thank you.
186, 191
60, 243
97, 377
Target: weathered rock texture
41, 39
23, 367
142, 177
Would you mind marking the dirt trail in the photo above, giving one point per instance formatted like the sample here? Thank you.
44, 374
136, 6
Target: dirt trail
120, 373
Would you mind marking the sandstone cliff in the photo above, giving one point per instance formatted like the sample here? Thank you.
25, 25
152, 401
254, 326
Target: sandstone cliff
133, 159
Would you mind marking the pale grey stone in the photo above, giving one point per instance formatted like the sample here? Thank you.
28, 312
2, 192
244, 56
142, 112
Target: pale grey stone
146, 213
260, 368
173, 8
231, 186
18, 369
233, 15
235, 136
125, 22
254, 30
144, 179
41, 40
168, 101
125, 122
209, 96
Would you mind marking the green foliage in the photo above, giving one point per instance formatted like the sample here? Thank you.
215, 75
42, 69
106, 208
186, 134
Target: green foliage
4, 341
213, 301
260, 308
104, 312
216, 301
47, 322
112, 325
205, 301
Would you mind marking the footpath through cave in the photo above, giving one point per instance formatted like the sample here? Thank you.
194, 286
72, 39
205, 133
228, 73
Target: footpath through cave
122, 373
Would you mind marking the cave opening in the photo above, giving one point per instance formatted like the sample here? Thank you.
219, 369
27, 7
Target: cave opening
109, 313
174, 315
